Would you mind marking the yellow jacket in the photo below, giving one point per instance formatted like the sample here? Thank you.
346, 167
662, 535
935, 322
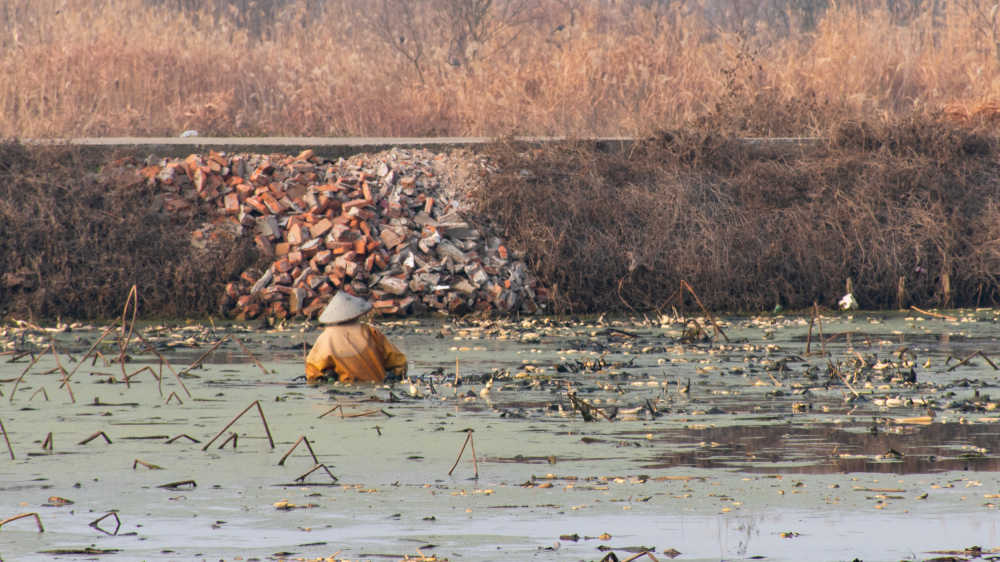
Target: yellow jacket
356, 352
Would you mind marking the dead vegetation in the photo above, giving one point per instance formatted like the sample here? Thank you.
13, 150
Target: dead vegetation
76, 233
448, 67
908, 212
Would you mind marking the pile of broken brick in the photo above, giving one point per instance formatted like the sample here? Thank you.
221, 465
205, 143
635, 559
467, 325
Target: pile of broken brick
389, 227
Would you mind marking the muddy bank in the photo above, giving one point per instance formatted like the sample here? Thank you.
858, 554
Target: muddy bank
908, 213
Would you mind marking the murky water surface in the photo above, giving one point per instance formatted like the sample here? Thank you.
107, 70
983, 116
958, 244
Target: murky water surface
877, 440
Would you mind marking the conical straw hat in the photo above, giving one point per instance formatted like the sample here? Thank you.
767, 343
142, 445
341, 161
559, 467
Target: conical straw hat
343, 307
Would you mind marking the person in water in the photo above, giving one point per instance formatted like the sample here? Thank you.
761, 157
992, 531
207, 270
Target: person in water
350, 350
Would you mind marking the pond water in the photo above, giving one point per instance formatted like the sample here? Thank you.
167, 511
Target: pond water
877, 440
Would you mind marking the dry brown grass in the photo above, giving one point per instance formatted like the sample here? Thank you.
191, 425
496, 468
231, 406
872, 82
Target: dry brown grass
900, 189
149, 67
76, 233
606, 226
752, 226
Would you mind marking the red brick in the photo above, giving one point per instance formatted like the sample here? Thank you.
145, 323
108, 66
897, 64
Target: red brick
264, 244
339, 232
190, 164
357, 203
297, 301
340, 247
297, 234
311, 247
271, 203
314, 308
385, 305
390, 238
360, 246
209, 194
257, 205
321, 227
322, 258
149, 172
232, 203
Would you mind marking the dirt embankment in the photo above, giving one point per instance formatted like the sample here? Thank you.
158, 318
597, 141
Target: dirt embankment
76, 233
909, 212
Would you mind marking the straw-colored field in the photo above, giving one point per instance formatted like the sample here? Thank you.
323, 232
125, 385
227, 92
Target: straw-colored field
436, 67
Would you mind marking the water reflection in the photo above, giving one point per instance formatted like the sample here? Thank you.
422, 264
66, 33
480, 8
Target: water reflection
825, 449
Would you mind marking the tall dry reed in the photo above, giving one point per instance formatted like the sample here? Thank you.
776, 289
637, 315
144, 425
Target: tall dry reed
551, 67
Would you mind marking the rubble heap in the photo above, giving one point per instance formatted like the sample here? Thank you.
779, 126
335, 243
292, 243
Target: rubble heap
389, 227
